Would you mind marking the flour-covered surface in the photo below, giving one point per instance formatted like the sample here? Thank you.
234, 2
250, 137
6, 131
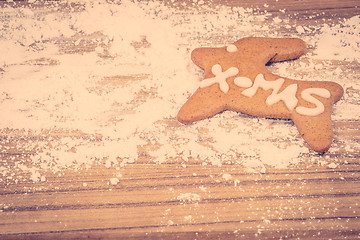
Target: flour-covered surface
89, 92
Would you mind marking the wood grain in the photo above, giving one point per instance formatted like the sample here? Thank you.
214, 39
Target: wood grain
305, 201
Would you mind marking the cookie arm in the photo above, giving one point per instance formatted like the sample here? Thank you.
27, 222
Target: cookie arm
272, 49
317, 131
318, 134
285, 48
199, 106
202, 57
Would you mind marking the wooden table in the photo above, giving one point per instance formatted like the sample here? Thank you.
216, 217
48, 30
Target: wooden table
307, 200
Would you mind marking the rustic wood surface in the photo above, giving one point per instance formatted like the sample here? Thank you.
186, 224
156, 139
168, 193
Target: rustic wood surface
305, 201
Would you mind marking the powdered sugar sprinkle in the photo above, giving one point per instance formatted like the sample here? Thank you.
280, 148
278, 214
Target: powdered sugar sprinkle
114, 88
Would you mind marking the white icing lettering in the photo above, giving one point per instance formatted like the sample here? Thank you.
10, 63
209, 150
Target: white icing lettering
306, 95
231, 48
287, 95
220, 77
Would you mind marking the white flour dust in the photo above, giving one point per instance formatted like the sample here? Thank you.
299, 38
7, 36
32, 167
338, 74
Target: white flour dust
84, 83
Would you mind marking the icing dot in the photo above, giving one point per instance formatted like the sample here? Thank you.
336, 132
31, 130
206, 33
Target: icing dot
243, 82
231, 48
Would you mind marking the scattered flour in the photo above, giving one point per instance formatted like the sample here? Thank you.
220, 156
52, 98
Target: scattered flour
115, 88
227, 176
114, 181
189, 197
340, 42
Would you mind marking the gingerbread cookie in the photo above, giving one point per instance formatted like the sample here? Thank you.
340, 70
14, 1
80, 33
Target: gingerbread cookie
237, 79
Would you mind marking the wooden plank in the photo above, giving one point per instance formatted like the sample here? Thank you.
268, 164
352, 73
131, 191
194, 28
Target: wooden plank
286, 196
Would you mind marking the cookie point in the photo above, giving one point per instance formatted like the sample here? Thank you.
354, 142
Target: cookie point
320, 149
181, 119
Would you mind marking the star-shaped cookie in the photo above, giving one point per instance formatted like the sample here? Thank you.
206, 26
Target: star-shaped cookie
236, 78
